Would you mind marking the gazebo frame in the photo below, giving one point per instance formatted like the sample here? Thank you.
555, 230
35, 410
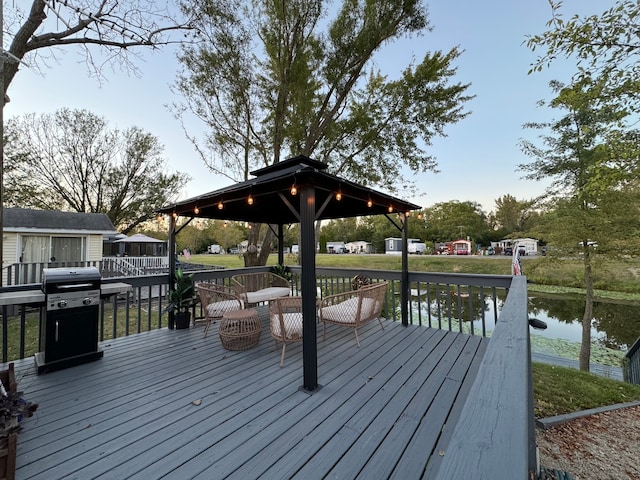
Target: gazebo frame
297, 190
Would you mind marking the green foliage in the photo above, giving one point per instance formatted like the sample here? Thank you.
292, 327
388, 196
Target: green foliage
291, 81
281, 270
71, 160
181, 297
604, 43
511, 215
449, 221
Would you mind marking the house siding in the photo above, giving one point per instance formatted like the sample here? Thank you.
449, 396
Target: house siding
10, 250
94, 247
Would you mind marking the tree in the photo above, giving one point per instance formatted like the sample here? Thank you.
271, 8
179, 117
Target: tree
71, 160
453, 220
592, 157
602, 44
511, 215
291, 81
116, 27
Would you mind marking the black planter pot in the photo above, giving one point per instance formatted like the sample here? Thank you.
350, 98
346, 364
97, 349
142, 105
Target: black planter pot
182, 320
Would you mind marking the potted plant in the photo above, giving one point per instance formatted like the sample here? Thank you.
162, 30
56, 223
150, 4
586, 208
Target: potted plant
13, 410
180, 300
281, 271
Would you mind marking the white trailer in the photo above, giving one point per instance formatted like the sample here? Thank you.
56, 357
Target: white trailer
418, 248
215, 248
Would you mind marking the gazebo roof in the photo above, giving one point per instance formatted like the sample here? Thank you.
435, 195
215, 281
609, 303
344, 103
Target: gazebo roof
273, 202
139, 238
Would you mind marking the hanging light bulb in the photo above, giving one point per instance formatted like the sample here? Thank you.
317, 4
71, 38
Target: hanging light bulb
175, 215
220, 205
250, 200
339, 195
294, 189
196, 210
390, 208
369, 203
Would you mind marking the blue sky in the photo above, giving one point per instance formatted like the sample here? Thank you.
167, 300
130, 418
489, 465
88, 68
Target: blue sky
478, 158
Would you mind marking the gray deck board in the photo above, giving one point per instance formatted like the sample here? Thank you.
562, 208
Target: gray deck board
384, 410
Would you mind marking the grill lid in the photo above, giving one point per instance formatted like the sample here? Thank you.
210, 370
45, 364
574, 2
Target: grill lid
70, 279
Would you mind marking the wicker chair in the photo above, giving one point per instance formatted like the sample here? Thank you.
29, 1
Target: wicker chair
285, 321
216, 300
256, 288
353, 308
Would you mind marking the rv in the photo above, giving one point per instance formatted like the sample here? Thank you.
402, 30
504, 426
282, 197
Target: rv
215, 248
418, 248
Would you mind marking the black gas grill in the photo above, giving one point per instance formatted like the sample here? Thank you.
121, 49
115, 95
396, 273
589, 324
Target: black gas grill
72, 311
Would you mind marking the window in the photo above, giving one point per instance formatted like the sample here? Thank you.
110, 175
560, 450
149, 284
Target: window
67, 249
44, 248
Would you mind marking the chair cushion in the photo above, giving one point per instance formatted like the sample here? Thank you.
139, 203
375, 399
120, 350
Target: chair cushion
345, 312
217, 309
268, 293
292, 325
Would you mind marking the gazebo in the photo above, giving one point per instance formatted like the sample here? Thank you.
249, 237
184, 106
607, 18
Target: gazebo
297, 190
140, 245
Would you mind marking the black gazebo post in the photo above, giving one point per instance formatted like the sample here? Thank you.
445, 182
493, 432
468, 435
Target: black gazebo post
308, 286
280, 244
404, 282
172, 262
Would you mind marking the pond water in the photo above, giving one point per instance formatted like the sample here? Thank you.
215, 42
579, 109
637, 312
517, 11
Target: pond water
615, 325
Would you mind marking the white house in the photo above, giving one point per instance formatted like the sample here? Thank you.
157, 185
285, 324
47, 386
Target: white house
336, 247
359, 247
49, 237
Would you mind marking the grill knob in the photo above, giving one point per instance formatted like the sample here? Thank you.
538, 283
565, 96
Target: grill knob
86, 301
62, 303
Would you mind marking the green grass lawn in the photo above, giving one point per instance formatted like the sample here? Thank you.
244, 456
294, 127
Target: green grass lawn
615, 279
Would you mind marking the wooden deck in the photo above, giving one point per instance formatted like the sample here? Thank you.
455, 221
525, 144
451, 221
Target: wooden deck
385, 410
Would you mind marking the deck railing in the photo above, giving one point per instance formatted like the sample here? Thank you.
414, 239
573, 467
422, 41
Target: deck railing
495, 433
26, 273
456, 302
631, 368
501, 414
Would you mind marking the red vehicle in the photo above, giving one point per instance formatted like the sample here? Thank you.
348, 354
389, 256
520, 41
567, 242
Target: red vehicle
461, 247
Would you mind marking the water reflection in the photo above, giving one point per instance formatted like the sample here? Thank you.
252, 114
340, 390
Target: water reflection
615, 325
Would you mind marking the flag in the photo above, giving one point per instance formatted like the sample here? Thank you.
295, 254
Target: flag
516, 265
